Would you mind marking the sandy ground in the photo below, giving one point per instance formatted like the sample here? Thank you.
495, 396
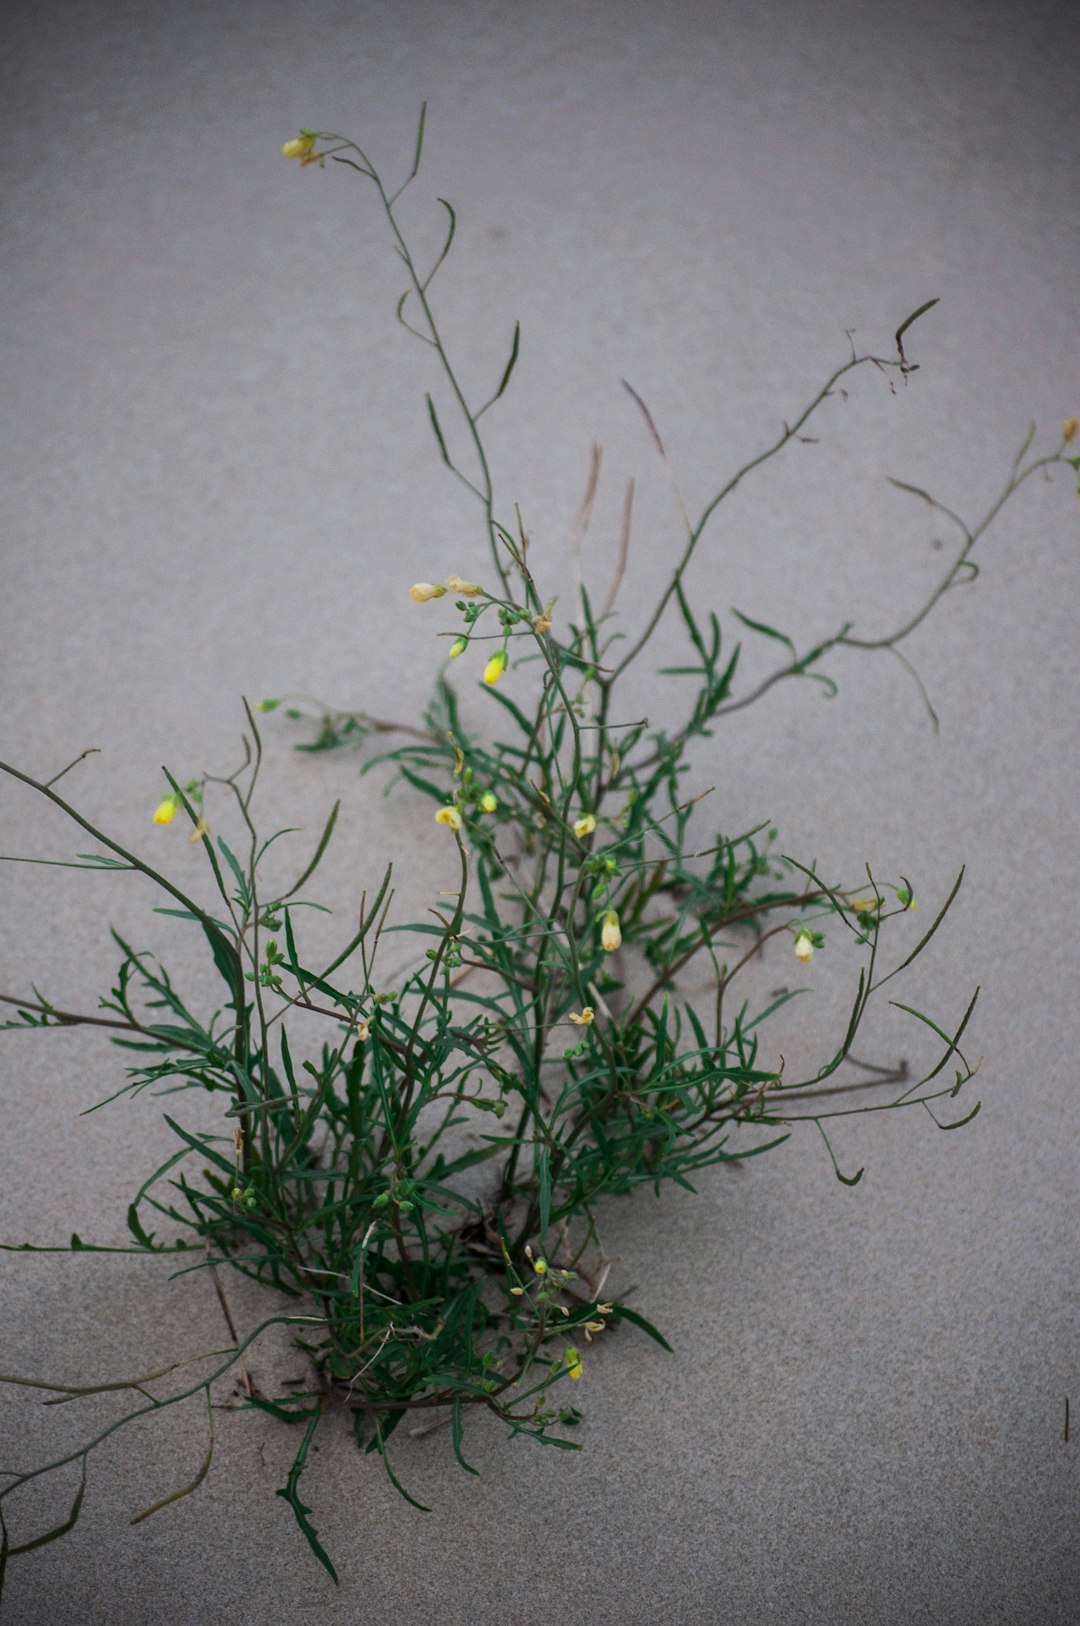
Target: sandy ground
219, 482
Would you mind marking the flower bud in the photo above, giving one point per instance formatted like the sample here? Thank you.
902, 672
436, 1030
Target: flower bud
495, 667
610, 933
488, 802
421, 592
466, 589
300, 147
1069, 428
804, 947
165, 811
458, 647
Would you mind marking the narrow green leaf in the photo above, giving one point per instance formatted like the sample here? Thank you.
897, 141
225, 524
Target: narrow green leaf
621, 1313
914, 317
507, 372
199, 1145
433, 415
380, 1446
959, 1122
58, 1530
290, 1493
234, 864
543, 1180
324, 842
456, 1432
445, 248
921, 944
766, 631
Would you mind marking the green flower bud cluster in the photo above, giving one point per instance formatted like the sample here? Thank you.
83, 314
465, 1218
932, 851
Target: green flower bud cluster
399, 1194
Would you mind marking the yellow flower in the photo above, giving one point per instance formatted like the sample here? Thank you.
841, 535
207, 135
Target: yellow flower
540, 1266
165, 811
421, 592
450, 816
863, 906
584, 1019
572, 1358
301, 146
466, 589
1069, 428
488, 802
804, 948
591, 1327
363, 1028
610, 933
495, 667
585, 825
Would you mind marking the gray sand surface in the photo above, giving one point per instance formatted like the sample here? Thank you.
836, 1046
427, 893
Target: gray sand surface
219, 481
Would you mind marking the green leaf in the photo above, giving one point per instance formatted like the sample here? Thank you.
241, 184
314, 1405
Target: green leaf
850, 1179
921, 944
543, 1179
959, 1122
429, 279
435, 791
433, 415
234, 864
379, 1444
621, 1313
510, 365
508, 705
291, 1495
58, 1530
456, 1431
766, 631
324, 842
227, 961
199, 1145
135, 1225
914, 317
